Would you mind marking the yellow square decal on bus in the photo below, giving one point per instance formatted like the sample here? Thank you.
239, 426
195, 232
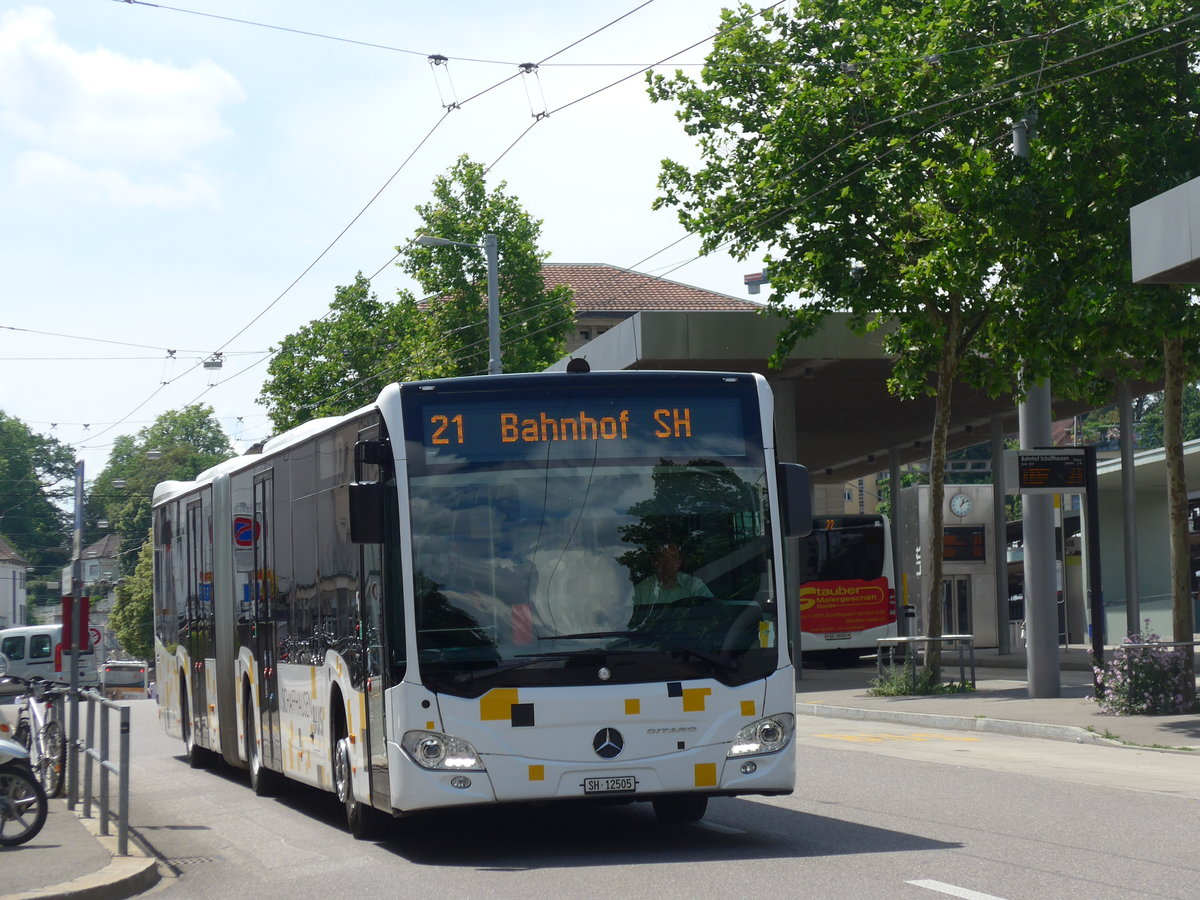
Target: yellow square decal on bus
496, 705
693, 699
747, 707
633, 707
537, 773
706, 774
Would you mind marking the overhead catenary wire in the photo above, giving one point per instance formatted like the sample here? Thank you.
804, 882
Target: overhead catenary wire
312, 264
1038, 73
865, 165
448, 108
578, 100
421, 143
1003, 42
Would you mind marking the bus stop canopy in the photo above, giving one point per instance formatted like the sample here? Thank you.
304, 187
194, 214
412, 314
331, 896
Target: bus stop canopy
831, 390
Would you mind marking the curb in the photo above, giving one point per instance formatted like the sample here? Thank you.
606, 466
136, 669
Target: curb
1010, 727
124, 876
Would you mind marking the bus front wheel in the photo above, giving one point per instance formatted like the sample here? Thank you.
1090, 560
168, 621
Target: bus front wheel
362, 820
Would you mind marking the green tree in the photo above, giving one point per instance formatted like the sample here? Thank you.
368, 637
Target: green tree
36, 475
534, 321
1150, 422
178, 446
869, 145
342, 360
132, 617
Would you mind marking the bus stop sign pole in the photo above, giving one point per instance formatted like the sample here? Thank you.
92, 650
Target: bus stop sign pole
1095, 595
75, 638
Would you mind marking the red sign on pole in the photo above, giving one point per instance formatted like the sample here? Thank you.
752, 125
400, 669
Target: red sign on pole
68, 617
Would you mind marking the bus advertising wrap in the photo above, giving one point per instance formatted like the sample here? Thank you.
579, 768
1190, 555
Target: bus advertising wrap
842, 607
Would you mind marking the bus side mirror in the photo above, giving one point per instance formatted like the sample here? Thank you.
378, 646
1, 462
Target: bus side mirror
367, 499
372, 453
795, 496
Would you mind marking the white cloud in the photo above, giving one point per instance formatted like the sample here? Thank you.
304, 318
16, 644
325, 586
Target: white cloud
99, 106
44, 172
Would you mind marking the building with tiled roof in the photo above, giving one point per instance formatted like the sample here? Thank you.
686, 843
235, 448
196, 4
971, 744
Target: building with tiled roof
607, 295
99, 562
12, 586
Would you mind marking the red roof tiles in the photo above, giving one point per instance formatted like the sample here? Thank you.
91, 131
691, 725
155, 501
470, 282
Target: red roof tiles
605, 289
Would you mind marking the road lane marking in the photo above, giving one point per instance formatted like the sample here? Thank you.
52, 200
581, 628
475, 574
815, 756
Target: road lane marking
952, 890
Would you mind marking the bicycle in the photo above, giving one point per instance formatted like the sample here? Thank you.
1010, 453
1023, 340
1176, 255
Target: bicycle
40, 731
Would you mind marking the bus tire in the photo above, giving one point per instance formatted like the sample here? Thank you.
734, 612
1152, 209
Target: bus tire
363, 821
680, 809
263, 781
197, 756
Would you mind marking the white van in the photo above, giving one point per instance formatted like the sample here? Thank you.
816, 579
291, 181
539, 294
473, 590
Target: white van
36, 651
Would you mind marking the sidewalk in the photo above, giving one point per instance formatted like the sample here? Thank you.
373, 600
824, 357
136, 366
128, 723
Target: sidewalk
70, 858
999, 703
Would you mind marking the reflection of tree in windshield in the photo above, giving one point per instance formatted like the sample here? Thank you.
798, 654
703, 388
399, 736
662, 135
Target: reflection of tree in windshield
710, 512
444, 626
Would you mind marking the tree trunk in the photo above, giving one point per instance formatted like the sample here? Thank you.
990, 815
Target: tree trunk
947, 367
1182, 618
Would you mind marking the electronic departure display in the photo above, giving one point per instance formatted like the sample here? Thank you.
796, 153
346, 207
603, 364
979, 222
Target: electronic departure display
581, 426
1063, 470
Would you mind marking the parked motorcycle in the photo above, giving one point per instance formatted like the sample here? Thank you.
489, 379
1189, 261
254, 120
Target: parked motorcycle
22, 800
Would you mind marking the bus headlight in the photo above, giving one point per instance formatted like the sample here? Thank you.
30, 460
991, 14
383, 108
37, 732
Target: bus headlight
764, 736
433, 750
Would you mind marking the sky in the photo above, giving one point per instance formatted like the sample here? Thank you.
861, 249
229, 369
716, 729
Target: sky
175, 183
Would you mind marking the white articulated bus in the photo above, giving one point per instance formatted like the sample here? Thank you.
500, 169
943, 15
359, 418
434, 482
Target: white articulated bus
452, 597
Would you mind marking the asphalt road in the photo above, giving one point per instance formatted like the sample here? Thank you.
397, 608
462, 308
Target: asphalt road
879, 811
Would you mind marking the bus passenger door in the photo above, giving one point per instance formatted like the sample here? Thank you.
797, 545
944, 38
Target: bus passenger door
199, 619
264, 639
372, 591
371, 594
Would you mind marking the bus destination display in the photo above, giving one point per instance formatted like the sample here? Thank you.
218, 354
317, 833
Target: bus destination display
584, 428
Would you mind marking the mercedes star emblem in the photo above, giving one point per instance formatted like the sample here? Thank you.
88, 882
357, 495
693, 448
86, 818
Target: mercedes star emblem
608, 743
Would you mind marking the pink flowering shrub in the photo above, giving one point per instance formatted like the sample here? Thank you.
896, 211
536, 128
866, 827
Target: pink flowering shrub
1146, 681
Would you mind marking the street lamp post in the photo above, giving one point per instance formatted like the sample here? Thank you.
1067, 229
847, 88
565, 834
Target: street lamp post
489, 248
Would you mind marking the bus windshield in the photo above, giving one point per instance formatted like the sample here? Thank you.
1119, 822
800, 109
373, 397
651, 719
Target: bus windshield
573, 574
845, 548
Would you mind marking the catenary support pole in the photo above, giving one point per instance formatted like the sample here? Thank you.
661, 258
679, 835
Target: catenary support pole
1000, 537
76, 637
1133, 609
897, 572
493, 265
1095, 592
1041, 602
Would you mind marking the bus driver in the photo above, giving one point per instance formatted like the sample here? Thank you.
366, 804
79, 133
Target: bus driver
667, 584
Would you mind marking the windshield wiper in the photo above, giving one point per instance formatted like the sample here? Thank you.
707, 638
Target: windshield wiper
721, 662
529, 660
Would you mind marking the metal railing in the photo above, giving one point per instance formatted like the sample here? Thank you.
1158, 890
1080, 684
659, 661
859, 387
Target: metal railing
910, 644
100, 754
